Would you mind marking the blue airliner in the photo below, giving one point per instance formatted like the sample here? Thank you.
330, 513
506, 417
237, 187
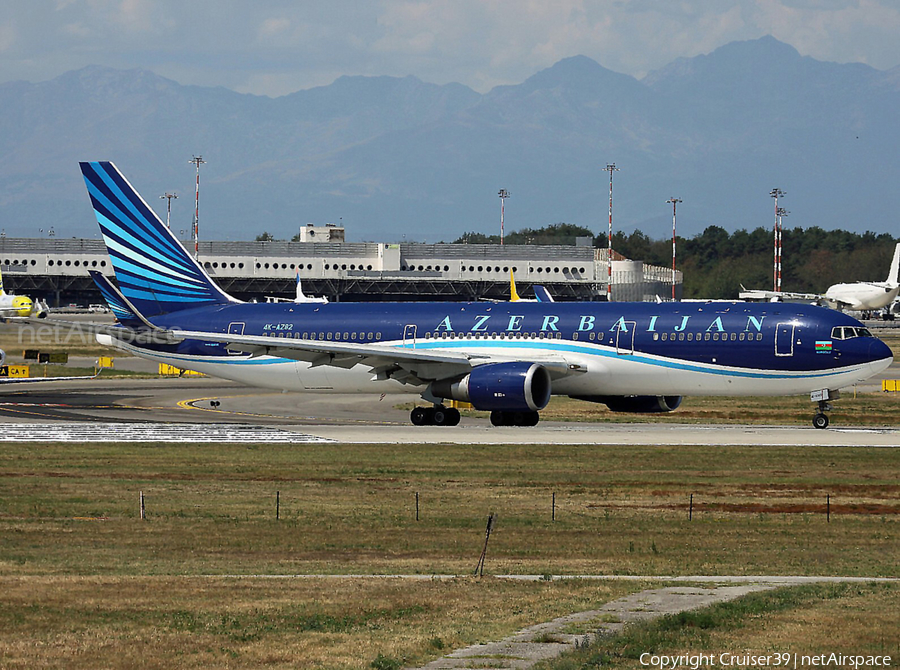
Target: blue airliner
506, 358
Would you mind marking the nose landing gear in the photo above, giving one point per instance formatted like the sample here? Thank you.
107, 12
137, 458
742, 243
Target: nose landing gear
820, 420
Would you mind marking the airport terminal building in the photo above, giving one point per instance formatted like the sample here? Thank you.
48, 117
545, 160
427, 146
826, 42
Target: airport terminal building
56, 270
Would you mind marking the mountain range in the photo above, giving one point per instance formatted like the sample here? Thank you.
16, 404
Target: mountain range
398, 159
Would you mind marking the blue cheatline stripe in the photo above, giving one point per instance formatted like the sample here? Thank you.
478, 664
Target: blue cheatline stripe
138, 212
669, 363
666, 363
110, 202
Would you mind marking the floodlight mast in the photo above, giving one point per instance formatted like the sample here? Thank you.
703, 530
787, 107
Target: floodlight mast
504, 194
195, 228
610, 167
674, 202
776, 269
169, 197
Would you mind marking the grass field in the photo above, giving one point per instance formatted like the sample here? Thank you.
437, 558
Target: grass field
80, 572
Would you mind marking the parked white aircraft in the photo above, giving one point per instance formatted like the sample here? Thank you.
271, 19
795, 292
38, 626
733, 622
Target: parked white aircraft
857, 296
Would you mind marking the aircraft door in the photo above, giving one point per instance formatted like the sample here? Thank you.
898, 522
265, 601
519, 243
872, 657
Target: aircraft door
235, 328
409, 335
625, 339
784, 339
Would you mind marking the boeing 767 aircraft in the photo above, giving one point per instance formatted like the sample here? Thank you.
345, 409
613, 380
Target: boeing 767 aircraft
506, 358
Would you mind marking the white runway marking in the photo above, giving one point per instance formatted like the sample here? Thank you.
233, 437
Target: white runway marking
150, 432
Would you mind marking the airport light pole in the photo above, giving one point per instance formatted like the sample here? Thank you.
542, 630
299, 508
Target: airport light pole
776, 269
195, 228
169, 197
674, 202
610, 167
504, 194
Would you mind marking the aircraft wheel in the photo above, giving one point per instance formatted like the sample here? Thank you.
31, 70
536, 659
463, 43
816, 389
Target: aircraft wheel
532, 419
452, 417
820, 421
419, 416
439, 416
498, 418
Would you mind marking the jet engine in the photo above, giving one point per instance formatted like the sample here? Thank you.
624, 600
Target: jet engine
636, 404
513, 387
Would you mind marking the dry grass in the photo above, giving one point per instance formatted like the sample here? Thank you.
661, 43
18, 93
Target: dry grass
85, 583
194, 622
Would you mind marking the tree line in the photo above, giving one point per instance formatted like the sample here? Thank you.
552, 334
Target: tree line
717, 263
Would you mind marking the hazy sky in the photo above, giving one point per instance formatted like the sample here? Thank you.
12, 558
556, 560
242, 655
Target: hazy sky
274, 47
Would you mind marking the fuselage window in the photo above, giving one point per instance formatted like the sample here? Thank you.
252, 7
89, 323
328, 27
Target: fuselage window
690, 337
741, 338
329, 335
655, 336
758, 336
706, 337
665, 336
370, 336
733, 337
427, 336
321, 336
715, 337
352, 336
346, 336
377, 336
305, 335
574, 336
681, 337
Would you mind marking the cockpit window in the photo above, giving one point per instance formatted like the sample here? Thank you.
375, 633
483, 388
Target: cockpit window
848, 332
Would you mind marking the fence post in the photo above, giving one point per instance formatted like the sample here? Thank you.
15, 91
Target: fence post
277, 505
417, 505
828, 508
691, 509
553, 515
142, 505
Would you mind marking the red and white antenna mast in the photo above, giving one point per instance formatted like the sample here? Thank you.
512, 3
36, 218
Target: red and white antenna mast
779, 212
610, 167
195, 228
169, 197
504, 194
674, 202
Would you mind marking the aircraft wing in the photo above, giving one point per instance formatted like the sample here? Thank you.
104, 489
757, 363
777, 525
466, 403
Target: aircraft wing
406, 364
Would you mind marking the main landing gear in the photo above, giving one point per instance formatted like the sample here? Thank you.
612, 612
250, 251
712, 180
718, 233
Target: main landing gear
434, 416
820, 420
505, 418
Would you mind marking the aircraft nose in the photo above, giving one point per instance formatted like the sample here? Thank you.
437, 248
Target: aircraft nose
878, 350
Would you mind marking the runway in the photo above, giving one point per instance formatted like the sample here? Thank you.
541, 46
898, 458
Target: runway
183, 410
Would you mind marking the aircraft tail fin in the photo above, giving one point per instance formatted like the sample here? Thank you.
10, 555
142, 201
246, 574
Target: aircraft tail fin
154, 271
894, 274
542, 294
513, 294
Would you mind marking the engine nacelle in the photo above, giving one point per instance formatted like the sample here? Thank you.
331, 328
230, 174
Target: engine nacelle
513, 387
636, 404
